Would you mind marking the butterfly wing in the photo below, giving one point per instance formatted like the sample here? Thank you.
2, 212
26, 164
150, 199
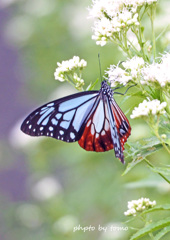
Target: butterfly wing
106, 128
62, 119
123, 129
97, 132
122, 123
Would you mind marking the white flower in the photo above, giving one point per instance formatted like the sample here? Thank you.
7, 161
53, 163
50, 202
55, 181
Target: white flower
134, 65
157, 72
68, 66
117, 75
139, 205
100, 7
113, 16
146, 108
79, 82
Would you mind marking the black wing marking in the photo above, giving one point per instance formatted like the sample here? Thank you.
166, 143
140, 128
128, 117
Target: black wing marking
61, 119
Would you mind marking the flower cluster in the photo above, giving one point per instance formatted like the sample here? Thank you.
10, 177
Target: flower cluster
114, 16
66, 71
139, 205
147, 108
157, 72
133, 67
116, 75
139, 71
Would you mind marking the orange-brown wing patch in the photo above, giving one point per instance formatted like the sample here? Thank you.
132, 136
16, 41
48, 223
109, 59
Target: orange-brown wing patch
97, 135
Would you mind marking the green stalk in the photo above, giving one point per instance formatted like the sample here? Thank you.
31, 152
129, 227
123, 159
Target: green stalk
158, 173
153, 32
162, 142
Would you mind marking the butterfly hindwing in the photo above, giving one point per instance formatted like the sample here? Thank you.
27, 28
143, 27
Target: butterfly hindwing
97, 133
92, 118
61, 119
122, 123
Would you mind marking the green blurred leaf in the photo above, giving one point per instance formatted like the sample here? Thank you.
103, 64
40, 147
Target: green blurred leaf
162, 233
140, 150
131, 165
92, 85
157, 208
162, 170
150, 228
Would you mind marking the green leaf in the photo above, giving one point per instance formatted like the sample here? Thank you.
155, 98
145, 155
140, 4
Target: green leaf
140, 150
151, 228
162, 170
92, 85
131, 165
162, 32
162, 233
157, 208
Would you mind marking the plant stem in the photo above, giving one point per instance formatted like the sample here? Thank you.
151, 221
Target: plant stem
153, 33
162, 142
125, 49
158, 173
134, 48
138, 34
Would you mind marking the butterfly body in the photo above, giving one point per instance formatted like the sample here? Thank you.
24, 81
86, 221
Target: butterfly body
92, 118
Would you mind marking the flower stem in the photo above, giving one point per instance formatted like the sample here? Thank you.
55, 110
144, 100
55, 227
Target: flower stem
152, 16
160, 139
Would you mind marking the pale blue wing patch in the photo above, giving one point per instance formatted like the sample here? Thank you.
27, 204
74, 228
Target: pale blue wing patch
61, 119
74, 102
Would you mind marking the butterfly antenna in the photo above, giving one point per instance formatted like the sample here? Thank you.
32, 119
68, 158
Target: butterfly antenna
126, 89
100, 67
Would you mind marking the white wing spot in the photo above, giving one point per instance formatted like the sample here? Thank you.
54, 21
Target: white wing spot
54, 121
30, 126
51, 134
103, 133
92, 129
72, 135
97, 135
61, 132
34, 130
51, 128
41, 128
27, 122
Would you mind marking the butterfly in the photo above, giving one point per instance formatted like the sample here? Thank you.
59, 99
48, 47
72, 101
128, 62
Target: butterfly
92, 118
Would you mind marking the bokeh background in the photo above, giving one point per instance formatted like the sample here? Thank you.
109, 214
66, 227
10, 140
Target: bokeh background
49, 187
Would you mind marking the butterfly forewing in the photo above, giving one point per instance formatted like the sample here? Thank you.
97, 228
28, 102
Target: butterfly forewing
61, 119
114, 134
92, 118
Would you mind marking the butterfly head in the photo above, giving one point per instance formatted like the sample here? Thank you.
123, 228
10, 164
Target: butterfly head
106, 89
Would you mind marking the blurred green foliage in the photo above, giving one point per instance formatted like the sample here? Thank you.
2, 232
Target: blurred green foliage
92, 189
